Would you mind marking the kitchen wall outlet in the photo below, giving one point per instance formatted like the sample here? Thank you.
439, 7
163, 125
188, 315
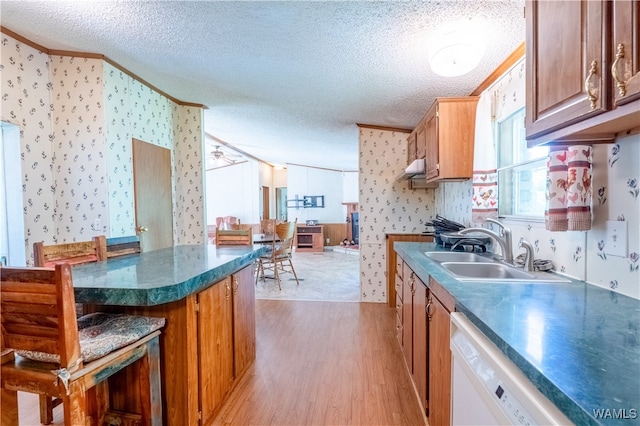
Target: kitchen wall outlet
328, 240
97, 224
615, 243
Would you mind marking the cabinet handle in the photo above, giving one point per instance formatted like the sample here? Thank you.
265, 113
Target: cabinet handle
227, 291
235, 287
620, 84
428, 309
593, 70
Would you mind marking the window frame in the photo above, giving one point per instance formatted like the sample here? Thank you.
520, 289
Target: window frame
513, 165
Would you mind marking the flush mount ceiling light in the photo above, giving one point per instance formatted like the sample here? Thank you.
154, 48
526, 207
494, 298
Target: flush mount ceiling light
456, 50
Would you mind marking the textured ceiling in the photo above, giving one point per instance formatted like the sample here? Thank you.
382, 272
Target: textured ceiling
283, 81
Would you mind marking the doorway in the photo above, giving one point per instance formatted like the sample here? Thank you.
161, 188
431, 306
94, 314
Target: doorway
281, 204
153, 196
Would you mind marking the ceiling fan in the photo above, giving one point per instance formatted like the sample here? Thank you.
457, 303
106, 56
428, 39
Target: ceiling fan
218, 158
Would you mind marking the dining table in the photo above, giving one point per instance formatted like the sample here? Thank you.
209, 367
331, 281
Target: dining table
265, 238
178, 284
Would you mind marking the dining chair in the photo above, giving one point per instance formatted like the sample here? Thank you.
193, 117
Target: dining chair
278, 259
226, 222
76, 253
267, 226
234, 237
123, 246
47, 350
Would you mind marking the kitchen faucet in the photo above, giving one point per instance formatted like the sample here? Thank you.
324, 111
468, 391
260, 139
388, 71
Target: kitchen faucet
528, 260
504, 240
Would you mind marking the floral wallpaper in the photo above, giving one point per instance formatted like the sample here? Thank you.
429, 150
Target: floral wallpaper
77, 117
386, 206
27, 102
80, 164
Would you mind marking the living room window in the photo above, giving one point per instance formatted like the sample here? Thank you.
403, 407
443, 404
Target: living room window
522, 175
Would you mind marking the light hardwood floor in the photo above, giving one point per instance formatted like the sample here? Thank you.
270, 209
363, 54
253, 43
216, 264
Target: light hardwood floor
321, 363
324, 363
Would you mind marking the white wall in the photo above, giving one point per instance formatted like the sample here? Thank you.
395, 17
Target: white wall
234, 191
303, 181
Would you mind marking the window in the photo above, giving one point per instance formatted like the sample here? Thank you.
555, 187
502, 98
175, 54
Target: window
522, 171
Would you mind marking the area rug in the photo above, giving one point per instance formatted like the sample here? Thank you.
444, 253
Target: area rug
326, 276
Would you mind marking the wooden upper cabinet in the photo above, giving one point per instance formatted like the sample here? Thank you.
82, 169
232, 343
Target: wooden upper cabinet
449, 131
566, 54
625, 54
421, 142
411, 146
583, 70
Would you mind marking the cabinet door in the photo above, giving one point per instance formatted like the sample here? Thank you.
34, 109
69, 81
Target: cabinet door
244, 320
421, 142
567, 53
420, 336
411, 147
215, 346
439, 394
432, 143
407, 316
625, 54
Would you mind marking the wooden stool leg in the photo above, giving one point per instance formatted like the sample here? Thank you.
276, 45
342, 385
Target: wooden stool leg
150, 387
46, 409
75, 405
9, 407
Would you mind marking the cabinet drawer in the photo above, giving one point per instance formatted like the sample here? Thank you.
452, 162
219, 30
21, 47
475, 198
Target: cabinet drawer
399, 306
399, 268
398, 286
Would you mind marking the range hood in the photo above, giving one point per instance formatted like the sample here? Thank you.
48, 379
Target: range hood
414, 170
415, 175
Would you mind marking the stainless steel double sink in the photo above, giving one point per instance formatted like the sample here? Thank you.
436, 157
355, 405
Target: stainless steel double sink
465, 266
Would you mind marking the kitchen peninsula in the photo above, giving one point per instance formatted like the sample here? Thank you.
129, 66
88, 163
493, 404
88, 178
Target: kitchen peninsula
206, 295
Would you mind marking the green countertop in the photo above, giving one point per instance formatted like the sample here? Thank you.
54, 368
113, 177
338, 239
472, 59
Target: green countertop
159, 276
579, 344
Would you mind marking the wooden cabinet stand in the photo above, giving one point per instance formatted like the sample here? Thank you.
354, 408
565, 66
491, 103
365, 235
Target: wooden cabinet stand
310, 238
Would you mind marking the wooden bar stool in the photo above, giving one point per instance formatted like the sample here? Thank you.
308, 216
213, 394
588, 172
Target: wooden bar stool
48, 351
75, 253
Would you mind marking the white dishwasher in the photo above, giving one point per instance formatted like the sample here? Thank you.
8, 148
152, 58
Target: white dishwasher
487, 388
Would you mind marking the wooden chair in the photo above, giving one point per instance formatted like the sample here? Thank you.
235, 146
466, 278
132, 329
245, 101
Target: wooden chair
278, 260
71, 253
75, 253
45, 352
234, 237
123, 246
267, 226
226, 222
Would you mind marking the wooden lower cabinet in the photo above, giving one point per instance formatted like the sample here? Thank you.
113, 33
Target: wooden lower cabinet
407, 316
215, 347
393, 261
226, 338
244, 320
439, 359
208, 342
424, 334
420, 341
